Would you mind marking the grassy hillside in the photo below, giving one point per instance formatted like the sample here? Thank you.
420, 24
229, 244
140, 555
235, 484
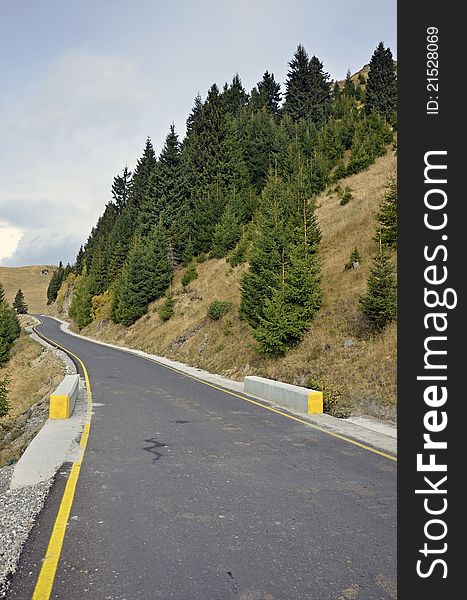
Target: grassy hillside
31, 281
357, 369
33, 372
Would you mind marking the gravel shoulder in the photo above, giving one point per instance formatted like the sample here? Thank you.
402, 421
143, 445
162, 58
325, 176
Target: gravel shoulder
20, 507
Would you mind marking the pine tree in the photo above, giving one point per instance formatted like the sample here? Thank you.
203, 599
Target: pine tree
79, 263
145, 277
121, 189
81, 304
267, 253
139, 184
9, 331
387, 217
55, 282
234, 96
336, 91
292, 306
267, 95
354, 260
4, 389
308, 90
349, 86
19, 304
227, 232
379, 304
195, 115
165, 196
381, 87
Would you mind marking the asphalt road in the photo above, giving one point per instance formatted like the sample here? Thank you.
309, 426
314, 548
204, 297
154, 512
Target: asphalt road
188, 492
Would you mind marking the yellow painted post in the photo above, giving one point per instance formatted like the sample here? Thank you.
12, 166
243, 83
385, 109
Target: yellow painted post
315, 403
59, 407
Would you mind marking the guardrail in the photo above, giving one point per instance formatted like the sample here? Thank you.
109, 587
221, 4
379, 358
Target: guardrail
63, 400
300, 399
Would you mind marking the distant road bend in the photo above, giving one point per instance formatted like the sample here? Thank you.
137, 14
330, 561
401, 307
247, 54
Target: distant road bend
189, 492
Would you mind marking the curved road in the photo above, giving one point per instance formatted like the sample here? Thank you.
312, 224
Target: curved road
189, 492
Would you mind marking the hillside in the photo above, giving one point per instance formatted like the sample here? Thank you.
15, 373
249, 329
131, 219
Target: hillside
357, 369
33, 372
33, 281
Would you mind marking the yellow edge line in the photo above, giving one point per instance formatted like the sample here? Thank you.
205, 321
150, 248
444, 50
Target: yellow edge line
46, 578
275, 410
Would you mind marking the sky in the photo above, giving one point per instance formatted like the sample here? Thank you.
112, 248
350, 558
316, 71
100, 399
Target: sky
83, 83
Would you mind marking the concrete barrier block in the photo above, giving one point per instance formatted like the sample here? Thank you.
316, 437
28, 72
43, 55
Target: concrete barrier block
63, 399
295, 397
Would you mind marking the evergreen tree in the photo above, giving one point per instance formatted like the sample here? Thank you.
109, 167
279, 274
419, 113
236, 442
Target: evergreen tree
268, 250
194, 116
145, 277
81, 303
379, 304
354, 260
4, 389
79, 263
165, 196
9, 331
227, 233
349, 86
387, 216
19, 304
336, 91
234, 96
381, 87
139, 184
121, 189
119, 243
267, 95
292, 306
308, 90
55, 282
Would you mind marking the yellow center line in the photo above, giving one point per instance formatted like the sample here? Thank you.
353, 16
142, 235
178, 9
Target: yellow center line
46, 578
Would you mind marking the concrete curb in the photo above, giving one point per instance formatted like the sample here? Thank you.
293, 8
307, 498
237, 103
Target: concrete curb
375, 433
58, 440
293, 397
63, 399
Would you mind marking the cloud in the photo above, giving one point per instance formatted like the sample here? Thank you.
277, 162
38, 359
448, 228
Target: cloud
62, 144
9, 238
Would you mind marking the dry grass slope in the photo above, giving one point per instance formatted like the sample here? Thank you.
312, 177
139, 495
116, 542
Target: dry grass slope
31, 281
34, 373
357, 369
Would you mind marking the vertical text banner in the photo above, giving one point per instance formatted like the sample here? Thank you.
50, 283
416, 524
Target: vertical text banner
432, 268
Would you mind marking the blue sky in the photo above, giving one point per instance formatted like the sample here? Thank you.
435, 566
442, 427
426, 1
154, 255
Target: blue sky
85, 82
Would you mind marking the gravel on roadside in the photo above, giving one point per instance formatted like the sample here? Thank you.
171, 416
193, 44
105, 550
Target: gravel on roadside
18, 511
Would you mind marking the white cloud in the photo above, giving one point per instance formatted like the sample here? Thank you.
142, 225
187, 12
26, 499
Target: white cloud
9, 238
62, 144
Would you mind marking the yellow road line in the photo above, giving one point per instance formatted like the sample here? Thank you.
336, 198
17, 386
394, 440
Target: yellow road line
46, 577
270, 408
275, 410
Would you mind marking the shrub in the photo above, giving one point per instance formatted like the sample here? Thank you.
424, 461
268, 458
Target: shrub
190, 275
340, 171
332, 398
218, 309
379, 303
166, 311
4, 404
354, 258
346, 195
